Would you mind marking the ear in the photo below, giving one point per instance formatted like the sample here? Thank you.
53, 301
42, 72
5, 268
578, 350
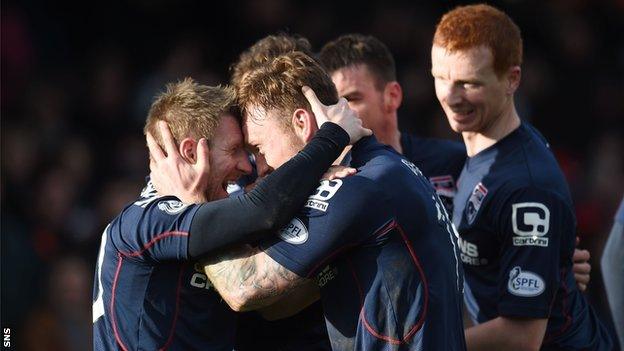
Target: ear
393, 96
513, 79
188, 150
304, 124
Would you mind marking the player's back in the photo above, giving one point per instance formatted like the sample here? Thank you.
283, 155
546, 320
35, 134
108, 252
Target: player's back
434, 157
147, 296
439, 160
406, 272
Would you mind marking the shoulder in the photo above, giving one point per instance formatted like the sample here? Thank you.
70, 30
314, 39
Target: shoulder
346, 190
433, 145
344, 198
149, 218
435, 157
522, 198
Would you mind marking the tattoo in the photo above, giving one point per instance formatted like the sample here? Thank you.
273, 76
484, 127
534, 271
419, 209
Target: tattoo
250, 277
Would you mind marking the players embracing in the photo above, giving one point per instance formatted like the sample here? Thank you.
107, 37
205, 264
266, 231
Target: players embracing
379, 244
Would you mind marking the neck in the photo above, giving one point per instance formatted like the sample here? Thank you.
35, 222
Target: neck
390, 134
506, 123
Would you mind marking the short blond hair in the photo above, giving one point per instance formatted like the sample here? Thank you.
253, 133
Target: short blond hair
266, 49
190, 110
277, 85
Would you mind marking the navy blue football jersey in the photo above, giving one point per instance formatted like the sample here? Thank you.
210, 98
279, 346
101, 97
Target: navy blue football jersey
441, 161
147, 295
384, 254
517, 228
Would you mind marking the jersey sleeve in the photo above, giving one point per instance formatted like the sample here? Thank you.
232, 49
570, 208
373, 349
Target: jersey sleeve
536, 228
337, 217
155, 231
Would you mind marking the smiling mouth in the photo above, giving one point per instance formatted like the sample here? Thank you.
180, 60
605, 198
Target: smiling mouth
462, 114
227, 183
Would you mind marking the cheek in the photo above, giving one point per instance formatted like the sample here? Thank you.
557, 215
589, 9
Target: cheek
477, 98
440, 91
361, 111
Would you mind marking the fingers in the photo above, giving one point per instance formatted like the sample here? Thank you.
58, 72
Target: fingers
318, 108
581, 268
202, 153
582, 278
155, 151
367, 132
167, 137
312, 99
581, 255
335, 172
344, 173
582, 274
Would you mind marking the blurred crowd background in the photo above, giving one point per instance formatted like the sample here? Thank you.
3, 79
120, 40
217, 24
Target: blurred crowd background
78, 79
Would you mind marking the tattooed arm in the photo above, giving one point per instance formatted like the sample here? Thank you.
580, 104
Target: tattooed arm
249, 279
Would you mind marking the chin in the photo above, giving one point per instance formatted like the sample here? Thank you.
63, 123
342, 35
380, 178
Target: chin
463, 126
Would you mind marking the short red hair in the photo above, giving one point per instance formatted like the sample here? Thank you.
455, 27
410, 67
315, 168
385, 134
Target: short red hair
466, 27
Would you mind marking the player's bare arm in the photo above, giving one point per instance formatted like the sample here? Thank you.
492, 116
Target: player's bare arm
248, 279
503, 333
293, 303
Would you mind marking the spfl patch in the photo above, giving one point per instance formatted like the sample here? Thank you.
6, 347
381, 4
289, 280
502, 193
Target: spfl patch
475, 201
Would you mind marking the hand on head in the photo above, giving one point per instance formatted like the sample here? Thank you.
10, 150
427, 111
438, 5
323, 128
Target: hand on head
340, 113
172, 174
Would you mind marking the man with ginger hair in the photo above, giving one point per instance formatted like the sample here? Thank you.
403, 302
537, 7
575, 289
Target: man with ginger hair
513, 209
148, 292
263, 329
378, 244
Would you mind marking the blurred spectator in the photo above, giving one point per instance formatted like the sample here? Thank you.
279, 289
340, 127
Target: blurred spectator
63, 321
78, 78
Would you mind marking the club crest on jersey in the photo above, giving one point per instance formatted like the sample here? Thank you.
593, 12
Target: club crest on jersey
444, 185
294, 232
530, 222
172, 207
474, 202
525, 283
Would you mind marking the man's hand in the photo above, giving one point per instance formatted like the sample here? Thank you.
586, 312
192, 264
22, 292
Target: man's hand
338, 172
581, 267
340, 113
171, 174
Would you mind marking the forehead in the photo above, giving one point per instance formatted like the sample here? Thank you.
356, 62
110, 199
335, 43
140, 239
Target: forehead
257, 122
228, 132
354, 77
461, 63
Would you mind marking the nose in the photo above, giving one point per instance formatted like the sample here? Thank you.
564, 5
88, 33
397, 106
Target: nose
242, 163
447, 92
454, 94
261, 165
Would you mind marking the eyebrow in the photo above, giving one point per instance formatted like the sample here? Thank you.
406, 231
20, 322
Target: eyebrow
352, 93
